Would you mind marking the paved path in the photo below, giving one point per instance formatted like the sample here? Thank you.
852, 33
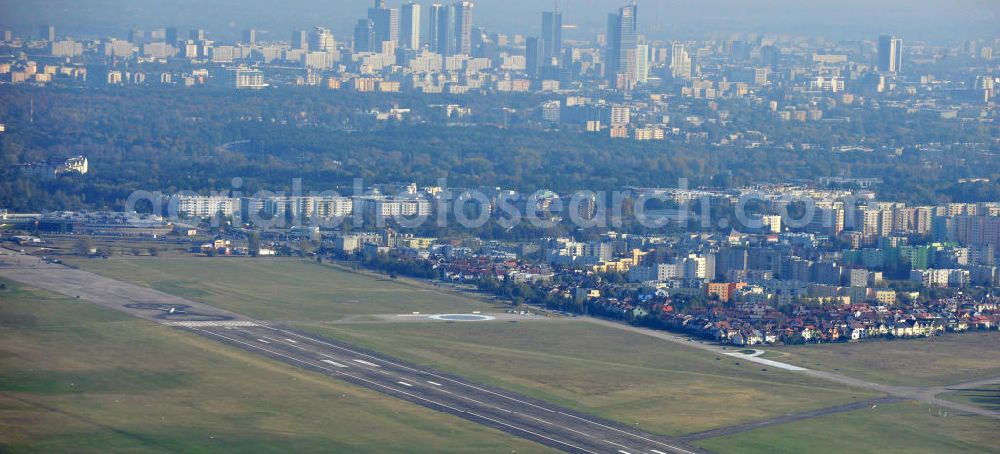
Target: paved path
722, 431
923, 394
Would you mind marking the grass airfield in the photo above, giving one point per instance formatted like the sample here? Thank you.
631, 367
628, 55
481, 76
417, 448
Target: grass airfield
656, 386
75, 377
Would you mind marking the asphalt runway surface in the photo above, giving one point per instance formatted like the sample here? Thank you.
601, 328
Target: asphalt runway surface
547, 424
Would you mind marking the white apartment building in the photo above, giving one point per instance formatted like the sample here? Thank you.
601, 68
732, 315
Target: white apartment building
204, 206
940, 278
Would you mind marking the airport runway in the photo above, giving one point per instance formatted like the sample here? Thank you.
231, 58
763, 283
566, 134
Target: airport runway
518, 415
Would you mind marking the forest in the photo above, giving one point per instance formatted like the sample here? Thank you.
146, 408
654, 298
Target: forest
170, 140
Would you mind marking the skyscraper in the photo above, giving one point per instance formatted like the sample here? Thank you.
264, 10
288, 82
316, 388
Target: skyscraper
321, 40
463, 27
364, 36
250, 36
442, 29
409, 26
533, 56
890, 54
680, 62
480, 42
47, 33
642, 63
770, 56
171, 36
622, 39
385, 24
300, 40
551, 36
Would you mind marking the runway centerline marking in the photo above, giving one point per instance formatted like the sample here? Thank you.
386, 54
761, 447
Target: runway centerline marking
399, 391
460, 383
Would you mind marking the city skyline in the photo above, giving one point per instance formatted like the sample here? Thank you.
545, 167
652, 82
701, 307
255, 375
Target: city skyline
661, 19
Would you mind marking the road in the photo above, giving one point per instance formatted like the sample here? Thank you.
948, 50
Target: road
553, 426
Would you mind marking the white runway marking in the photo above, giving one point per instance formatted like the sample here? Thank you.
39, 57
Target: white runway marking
656, 452
262, 340
462, 317
434, 383
334, 364
767, 362
500, 395
370, 364
405, 384
414, 396
294, 342
229, 324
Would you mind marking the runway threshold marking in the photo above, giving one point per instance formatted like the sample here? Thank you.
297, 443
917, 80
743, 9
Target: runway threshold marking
413, 396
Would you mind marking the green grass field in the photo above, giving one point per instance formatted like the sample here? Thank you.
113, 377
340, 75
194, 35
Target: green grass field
659, 386
906, 427
280, 289
78, 378
942, 360
987, 397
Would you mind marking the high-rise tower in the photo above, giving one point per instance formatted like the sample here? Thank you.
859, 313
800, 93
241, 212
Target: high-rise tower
409, 26
385, 25
551, 36
463, 27
622, 40
890, 54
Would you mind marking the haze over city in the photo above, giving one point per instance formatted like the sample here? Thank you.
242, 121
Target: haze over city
845, 19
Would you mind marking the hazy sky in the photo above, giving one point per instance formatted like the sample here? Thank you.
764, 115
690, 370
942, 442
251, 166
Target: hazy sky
913, 19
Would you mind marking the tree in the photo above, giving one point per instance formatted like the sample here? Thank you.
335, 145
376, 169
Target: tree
83, 246
253, 243
136, 251
154, 251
